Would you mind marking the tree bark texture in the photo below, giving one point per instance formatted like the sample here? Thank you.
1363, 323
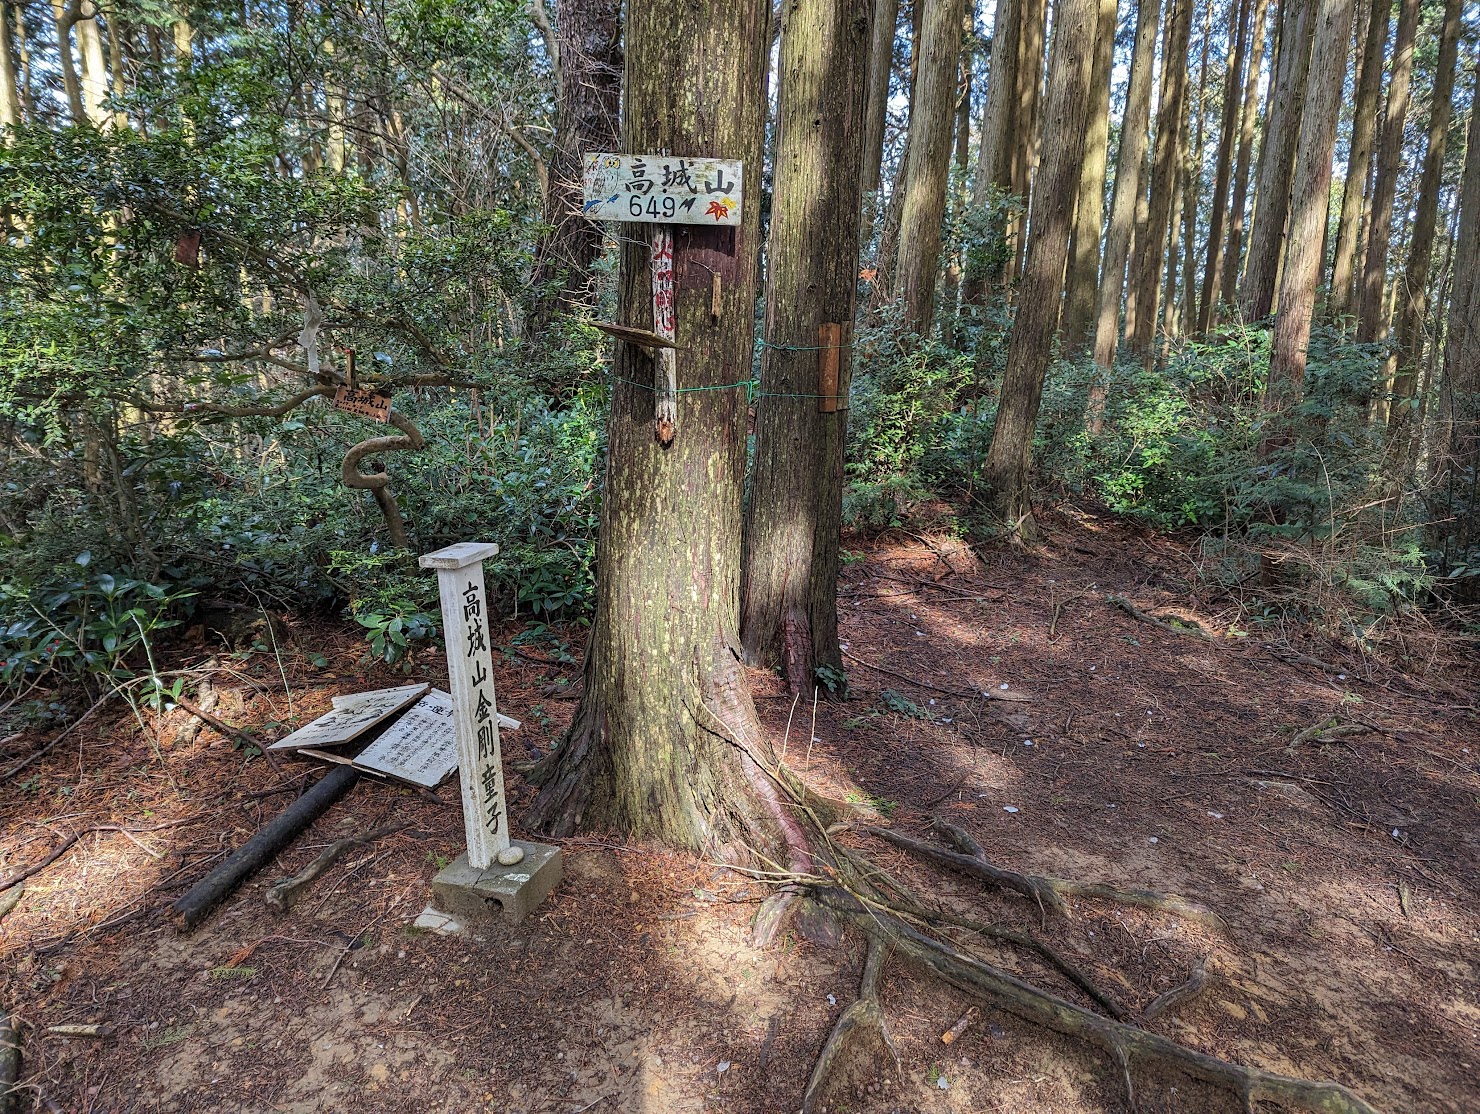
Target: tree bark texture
928, 170
589, 44
1005, 473
1249, 115
876, 115
789, 588
1149, 259
1359, 161
1228, 126
655, 749
1277, 161
1311, 195
1084, 248
64, 17
1128, 180
1461, 406
1371, 307
1413, 290
1027, 133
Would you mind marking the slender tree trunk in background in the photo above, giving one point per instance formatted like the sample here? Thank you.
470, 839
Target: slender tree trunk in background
1005, 473
1228, 126
64, 16
1028, 129
589, 43
1310, 199
1172, 253
1146, 266
1413, 303
789, 590
1122, 225
1359, 161
1277, 161
1461, 392
928, 172
10, 101
1371, 300
876, 115
94, 68
1249, 116
1192, 159
998, 135
960, 161
23, 76
1084, 247
118, 65
660, 744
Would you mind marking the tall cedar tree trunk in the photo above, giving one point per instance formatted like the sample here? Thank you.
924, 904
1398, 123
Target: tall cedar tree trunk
1128, 162
928, 169
1028, 132
1084, 247
788, 610
1359, 161
1149, 258
590, 91
1371, 302
64, 17
960, 160
876, 114
998, 139
1311, 196
1228, 126
94, 68
1413, 301
1277, 161
1461, 410
655, 749
10, 101
1005, 473
1192, 157
1249, 116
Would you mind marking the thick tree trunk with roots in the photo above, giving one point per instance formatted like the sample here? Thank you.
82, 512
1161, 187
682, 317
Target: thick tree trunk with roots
662, 744
1128, 182
789, 598
590, 73
1052, 214
928, 170
1277, 161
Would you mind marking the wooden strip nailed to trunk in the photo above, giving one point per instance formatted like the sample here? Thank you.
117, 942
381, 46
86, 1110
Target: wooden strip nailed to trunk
789, 592
665, 742
1052, 212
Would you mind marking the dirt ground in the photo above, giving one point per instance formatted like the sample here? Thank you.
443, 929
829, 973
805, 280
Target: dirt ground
1345, 872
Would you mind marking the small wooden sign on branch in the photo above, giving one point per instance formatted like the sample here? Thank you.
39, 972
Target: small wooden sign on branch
663, 189
362, 403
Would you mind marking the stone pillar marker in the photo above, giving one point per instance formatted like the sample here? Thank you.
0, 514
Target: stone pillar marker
496, 874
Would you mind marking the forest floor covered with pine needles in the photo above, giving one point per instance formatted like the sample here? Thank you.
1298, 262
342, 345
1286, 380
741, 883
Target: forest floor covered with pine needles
1325, 805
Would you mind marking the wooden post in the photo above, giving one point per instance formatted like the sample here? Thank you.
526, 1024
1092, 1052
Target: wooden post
832, 384
470, 677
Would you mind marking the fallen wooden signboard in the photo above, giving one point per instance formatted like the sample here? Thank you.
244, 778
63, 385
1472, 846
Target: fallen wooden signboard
349, 721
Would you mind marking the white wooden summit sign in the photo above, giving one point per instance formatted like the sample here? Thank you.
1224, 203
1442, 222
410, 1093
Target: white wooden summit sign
663, 189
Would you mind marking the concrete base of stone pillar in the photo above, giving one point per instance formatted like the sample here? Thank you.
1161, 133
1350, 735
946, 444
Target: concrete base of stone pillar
500, 894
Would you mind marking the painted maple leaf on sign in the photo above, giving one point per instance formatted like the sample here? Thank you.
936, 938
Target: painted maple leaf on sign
718, 210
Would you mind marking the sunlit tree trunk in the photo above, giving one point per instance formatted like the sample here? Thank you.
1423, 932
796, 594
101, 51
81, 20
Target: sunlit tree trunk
1005, 473
789, 587
1413, 302
1249, 115
64, 17
589, 45
1084, 247
1122, 225
1228, 127
1147, 264
662, 742
1277, 161
1359, 160
928, 169
876, 114
94, 68
1371, 305
1310, 197
10, 100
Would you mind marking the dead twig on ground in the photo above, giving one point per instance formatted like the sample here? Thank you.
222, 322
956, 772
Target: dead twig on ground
36, 756
282, 895
1176, 626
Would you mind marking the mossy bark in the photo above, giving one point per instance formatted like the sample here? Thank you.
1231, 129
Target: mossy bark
789, 596
662, 741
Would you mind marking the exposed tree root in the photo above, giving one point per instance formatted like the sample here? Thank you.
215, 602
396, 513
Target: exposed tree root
282, 895
1178, 626
859, 1044
10, 1063
1126, 1043
1049, 893
1328, 731
1179, 995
